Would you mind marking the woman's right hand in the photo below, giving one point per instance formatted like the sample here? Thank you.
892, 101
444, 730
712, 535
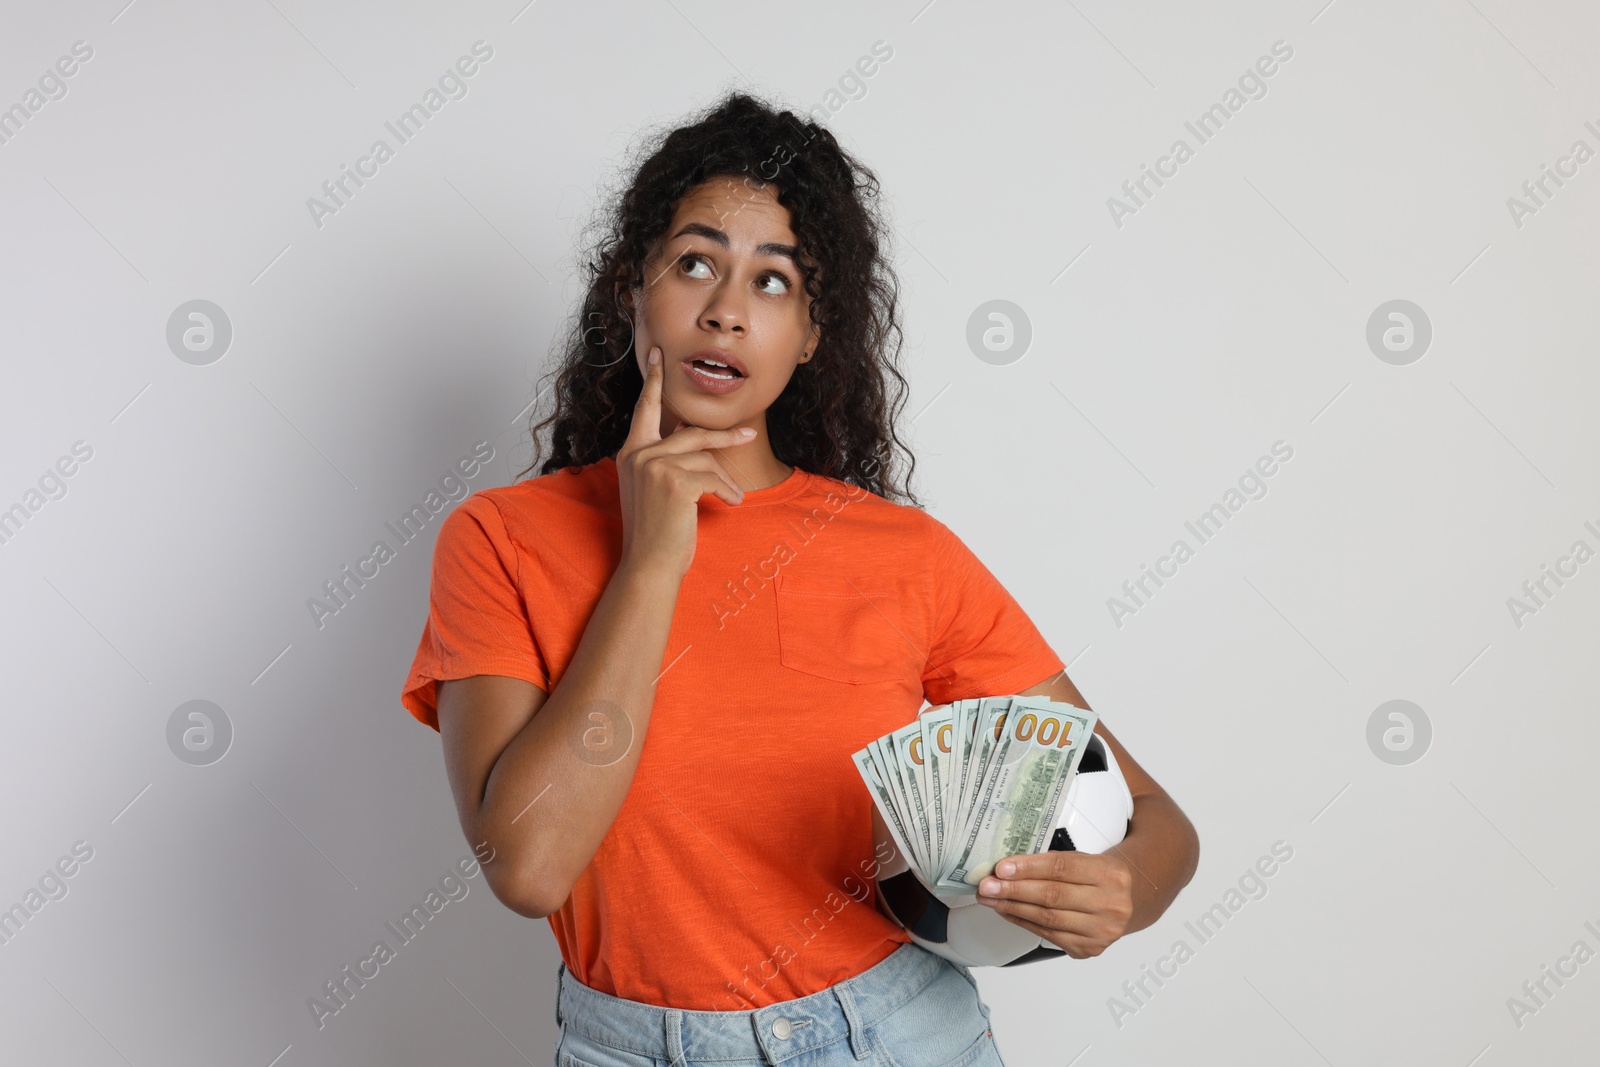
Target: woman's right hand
661, 479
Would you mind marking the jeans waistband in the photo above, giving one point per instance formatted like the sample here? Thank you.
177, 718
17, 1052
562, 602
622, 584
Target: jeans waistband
775, 1033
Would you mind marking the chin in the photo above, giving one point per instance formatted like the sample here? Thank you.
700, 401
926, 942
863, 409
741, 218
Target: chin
710, 414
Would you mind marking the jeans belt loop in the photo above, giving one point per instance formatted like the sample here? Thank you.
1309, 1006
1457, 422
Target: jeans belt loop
858, 1032
675, 1053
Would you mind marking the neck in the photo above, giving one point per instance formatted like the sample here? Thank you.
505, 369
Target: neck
752, 466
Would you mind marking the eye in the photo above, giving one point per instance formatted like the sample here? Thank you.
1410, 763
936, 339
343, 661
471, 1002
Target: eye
773, 275
695, 258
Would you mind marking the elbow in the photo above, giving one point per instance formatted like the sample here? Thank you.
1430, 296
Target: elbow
527, 872
530, 897
1191, 852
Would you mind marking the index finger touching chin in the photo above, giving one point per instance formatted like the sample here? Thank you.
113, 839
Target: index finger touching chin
650, 394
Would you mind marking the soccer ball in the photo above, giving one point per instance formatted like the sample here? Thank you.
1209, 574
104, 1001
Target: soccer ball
1094, 816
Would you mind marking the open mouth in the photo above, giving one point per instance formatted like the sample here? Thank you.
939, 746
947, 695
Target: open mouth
712, 369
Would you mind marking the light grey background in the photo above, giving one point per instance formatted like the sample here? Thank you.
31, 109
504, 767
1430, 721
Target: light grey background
1167, 355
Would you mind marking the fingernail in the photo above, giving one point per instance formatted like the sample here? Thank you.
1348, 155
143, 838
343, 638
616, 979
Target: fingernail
655, 356
747, 431
989, 887
1006, 870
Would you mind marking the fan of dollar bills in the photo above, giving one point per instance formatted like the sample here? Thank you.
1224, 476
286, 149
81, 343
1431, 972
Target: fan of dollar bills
970, 783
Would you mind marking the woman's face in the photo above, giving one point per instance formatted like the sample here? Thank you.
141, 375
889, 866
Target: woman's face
723, 286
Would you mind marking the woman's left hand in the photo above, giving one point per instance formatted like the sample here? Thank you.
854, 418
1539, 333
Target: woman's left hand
1078, 901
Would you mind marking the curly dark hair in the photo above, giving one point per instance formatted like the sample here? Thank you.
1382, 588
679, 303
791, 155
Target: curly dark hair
836, 415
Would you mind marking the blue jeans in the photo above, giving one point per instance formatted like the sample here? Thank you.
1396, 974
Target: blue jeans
910, 1009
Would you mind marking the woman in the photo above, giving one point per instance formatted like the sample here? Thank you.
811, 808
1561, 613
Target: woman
650, 663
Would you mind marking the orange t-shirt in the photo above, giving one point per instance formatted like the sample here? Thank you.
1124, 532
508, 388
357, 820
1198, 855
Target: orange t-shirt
815, 617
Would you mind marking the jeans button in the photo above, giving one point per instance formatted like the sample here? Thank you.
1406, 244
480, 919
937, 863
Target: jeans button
782, 1028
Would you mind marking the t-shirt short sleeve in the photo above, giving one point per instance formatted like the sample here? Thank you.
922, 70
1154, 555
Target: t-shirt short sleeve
983, 644
477, 618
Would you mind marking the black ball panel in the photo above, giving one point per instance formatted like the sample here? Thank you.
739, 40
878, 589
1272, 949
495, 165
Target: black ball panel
1043, 952
918, 910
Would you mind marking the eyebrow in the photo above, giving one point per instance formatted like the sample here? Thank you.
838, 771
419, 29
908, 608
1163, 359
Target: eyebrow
711, 233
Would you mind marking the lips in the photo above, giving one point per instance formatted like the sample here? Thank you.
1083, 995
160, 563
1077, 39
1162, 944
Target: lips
716, 362
714, 371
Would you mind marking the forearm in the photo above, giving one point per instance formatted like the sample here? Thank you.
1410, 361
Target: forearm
1164, 850
1161, 844
556, 789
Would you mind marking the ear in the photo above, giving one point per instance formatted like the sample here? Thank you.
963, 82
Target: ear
622, 297
625, 299
813, 339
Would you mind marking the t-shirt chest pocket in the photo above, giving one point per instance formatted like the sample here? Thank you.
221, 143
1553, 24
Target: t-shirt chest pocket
844, 628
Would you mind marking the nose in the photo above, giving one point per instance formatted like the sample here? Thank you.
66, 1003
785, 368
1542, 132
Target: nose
725, 310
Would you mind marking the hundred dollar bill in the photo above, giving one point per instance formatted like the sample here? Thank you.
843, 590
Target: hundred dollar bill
1037, 751
906, 744
1077, 728
904, 774
960, 746
883, 797
882, 751
987, 723
936, 759
952, 776
964, 714
988, 731
916, 752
